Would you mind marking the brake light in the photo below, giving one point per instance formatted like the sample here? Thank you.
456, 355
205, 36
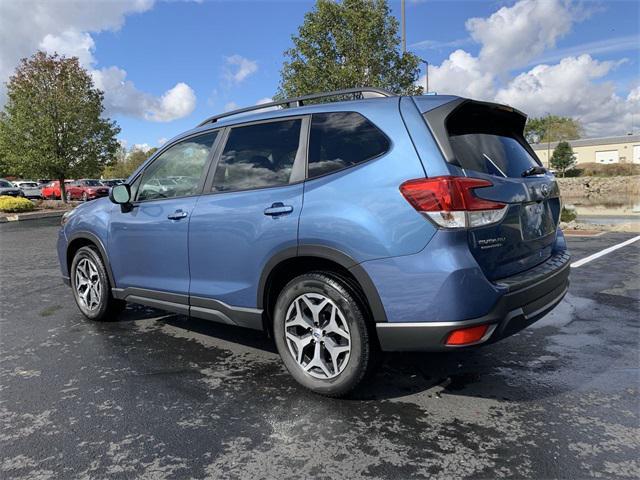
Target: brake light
450, 202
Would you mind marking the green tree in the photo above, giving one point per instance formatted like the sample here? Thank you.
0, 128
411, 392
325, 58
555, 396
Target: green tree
552, 128
563, 158
52, 125
127, 162
353, 43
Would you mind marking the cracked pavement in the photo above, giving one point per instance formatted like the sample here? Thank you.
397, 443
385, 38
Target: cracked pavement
156, 395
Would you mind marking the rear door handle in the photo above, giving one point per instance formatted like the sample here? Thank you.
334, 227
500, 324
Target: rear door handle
277, 209
177, 215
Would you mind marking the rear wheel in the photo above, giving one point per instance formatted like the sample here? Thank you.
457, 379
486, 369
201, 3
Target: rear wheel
321, 334
90, 285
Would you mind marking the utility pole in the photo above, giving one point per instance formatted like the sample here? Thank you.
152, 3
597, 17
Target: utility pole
404, 32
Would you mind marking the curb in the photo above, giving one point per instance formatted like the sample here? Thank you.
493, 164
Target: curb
17, 217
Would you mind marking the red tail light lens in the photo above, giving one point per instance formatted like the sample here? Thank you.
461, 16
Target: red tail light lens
450, 201
447, 193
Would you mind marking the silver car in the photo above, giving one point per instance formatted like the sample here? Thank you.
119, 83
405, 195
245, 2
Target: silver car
8, 188
30, 189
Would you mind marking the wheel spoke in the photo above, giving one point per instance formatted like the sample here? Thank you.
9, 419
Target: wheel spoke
88, 285
333, 327
300, 343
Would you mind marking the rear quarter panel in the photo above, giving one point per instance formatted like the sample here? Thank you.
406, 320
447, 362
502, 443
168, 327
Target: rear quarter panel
360, 210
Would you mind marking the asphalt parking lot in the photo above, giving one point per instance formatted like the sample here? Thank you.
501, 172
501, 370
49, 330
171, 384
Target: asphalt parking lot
153, 395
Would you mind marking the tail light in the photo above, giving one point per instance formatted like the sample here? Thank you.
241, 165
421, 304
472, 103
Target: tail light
450, 202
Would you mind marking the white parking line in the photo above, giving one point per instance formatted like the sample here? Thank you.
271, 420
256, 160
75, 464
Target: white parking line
601, 253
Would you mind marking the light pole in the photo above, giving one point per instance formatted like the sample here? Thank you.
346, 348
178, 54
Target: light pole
404, 33
426, 73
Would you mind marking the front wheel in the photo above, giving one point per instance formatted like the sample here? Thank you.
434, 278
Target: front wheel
90, 285
85, 197
321, 334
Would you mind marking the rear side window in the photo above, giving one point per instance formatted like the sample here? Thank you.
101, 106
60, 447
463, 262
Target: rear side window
489, 140
341, 139
258, 156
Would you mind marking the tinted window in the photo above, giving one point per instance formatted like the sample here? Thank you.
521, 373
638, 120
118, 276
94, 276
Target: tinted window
342, 139
92, 183
5, 184
495, 154
258, 156
185, 159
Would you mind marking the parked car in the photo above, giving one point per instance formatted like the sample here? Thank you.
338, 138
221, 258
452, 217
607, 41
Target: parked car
30, 189
51, 190
342, 229
8, 188
86, 189
112, 182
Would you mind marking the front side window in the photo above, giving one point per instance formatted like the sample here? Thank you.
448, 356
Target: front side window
342, 139
184, 159
5, 184
258, 156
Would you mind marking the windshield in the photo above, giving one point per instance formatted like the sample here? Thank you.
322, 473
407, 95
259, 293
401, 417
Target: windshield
5, 184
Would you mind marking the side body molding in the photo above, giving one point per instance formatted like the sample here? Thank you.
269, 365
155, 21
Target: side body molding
334, 255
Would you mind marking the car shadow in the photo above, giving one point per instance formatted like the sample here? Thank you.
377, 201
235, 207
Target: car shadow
493, 371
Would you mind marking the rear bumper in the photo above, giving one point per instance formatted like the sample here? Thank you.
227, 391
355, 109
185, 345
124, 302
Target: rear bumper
531, 295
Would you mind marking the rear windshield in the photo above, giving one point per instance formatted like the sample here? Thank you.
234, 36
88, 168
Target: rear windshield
494, 154
488, 138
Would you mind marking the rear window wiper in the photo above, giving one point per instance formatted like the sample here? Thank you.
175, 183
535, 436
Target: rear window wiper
535, 170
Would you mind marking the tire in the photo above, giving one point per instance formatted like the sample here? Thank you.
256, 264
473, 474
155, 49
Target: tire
312, 364
90, 286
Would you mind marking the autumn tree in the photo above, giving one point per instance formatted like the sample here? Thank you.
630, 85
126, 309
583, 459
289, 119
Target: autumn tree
53, 125
353, 43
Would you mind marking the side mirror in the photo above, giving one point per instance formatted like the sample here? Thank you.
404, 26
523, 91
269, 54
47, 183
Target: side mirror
121, 195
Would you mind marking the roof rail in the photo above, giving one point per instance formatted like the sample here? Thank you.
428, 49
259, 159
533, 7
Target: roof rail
357, 93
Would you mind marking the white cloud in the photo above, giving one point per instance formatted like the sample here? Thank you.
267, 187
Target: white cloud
122, 96
71, 43
568, 88
512, 38
230, 106
162, 141
145, 147
514, 35
64, 27
238, 68
461, 74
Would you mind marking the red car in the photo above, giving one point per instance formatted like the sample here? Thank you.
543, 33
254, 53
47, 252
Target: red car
86, 189
51, 191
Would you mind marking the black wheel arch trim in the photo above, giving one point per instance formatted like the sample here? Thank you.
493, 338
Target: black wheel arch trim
334, 255
93, 238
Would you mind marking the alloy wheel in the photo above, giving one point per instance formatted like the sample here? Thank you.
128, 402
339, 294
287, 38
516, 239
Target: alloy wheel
317, 335
88, 285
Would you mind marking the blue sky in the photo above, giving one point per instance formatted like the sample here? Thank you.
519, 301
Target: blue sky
205, 57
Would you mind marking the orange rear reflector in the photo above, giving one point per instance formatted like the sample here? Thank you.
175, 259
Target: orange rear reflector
465, 336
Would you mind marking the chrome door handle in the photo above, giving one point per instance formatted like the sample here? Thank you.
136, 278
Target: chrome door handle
177, 215
277, 209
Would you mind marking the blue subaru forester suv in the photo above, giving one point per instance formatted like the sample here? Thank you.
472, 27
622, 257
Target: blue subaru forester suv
372, 223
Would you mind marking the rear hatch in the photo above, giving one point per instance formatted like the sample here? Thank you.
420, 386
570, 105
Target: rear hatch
486, 141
